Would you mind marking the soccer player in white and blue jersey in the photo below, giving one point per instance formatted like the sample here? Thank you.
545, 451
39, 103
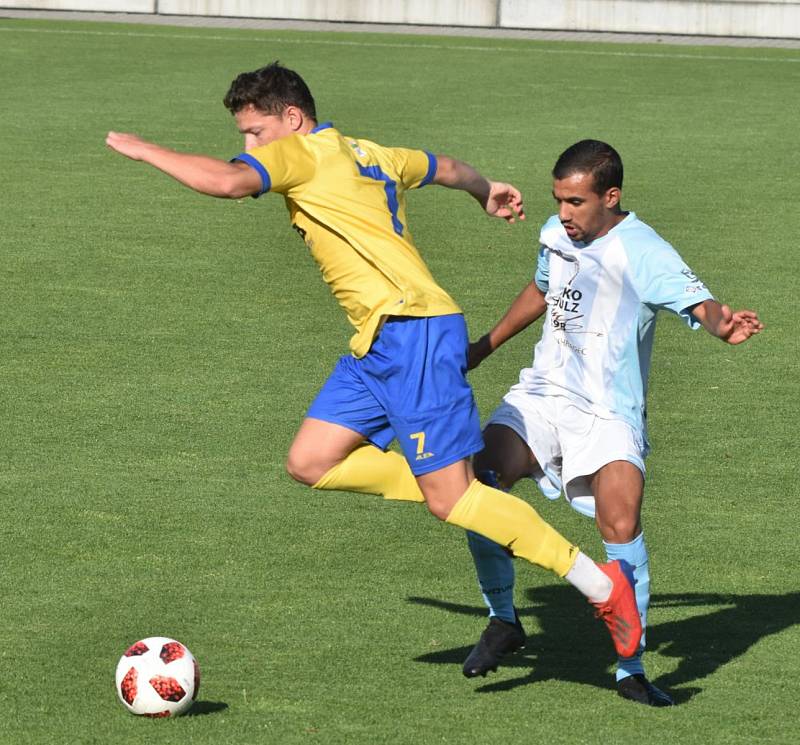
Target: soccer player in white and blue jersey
576, 420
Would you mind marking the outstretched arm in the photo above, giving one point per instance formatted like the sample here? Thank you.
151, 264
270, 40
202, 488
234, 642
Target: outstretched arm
733, 327
211, 176
529, 305
497, 198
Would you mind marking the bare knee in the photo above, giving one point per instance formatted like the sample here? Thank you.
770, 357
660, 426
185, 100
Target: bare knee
439, 508
618, 488
318, 446
304, 469
444, 487
620, 528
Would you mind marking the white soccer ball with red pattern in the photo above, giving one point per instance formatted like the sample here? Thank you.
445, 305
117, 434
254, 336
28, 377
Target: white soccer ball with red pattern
157, 677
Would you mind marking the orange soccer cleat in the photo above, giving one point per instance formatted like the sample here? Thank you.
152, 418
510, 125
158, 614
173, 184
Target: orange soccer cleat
619, 612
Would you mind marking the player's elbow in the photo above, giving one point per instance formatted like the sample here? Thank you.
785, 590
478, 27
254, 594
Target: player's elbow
445, 171
235, 181
232, 187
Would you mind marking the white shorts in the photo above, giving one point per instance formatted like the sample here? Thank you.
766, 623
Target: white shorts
569, 443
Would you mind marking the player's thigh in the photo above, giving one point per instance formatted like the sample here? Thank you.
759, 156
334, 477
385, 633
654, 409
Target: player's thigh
603, 468
317, 447
342, 415
618, 488
505, 453
416, 370
521, 439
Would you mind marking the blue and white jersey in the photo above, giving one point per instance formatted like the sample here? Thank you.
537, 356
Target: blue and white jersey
602, 300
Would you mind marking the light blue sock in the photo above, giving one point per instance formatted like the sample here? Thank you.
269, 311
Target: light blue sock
494, 566
495, 575
635, 553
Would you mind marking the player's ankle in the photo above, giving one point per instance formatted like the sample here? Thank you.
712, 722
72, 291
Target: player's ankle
589, 579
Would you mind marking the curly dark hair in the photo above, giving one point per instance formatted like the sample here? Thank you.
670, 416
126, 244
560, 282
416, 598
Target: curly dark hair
270, 89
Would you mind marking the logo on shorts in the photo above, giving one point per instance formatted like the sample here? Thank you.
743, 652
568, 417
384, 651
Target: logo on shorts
421, 452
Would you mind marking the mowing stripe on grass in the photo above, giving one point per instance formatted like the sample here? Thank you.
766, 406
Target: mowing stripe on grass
410, 45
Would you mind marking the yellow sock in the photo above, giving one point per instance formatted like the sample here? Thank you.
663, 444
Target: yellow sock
514, 524
369, 470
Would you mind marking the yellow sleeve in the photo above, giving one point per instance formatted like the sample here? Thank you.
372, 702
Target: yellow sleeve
282, 165
415, 168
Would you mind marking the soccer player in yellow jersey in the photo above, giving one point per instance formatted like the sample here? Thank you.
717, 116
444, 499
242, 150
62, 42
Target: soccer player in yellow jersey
405, 377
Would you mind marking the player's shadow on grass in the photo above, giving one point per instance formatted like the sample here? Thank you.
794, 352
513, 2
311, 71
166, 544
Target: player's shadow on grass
572, 646
201, 708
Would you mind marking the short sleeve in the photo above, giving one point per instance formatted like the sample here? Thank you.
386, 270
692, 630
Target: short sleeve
283, 165
664, 282
542, 275
415, 168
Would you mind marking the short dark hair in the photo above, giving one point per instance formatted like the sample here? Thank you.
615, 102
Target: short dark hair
595, 157
270, 89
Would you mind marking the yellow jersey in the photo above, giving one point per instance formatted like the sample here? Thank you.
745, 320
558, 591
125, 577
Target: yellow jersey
346, 198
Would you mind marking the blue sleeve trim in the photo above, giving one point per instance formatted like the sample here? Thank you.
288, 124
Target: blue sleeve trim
266, 181
320, 127
433, 164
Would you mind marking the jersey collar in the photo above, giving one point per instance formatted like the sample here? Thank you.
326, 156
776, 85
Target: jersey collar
320, 127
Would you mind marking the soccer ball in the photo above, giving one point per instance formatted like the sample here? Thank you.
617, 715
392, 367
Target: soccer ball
157, 677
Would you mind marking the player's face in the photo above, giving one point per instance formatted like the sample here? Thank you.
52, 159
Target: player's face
583, 212
259, 128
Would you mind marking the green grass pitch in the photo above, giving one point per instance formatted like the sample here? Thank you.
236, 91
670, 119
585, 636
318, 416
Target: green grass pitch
159, 349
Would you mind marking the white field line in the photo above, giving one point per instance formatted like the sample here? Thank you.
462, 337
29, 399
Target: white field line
398, 45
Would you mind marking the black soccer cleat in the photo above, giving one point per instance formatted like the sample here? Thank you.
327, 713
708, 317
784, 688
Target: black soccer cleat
499, 638
639, 689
